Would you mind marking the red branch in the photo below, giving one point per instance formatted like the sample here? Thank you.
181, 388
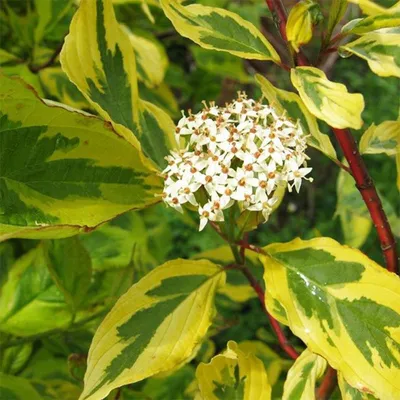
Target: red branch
357, 166
371, 198
290, 351
328, 385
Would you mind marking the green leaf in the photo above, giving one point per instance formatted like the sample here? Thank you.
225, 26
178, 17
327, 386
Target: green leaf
14, 358
8, 58
343, 305
336, 12
291, 104
14, 388
23, 72
217, 29
70, 267
49, 15
380, 48
99, 59
354, 216
372, 23
328, 100
302, 377
151, 58
383, 138
63, 171
30, 300
57, 86
234, 374
154, 327
220, 64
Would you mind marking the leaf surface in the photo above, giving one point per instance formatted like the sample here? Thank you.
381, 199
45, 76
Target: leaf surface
218, 29
327, 100
63, 171
343, 305
380, 48
302, 377
234, 374
154, 327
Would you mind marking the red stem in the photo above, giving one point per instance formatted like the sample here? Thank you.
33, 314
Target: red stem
328, 385
371, 198
357, 166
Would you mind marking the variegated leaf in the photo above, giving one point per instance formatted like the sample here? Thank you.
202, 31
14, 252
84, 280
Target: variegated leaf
372, 8
383, 138
99, 58
63, 171
71, 269
291, 104
354, 216
299, 27
151, 58
372, 23
237, 286
218, 29
303, 375
49, 15
350, 393
30, 300
154, 327
336, 13
15, 388
234, 374
343, 305
328, 100
272, 362
380, 48
57, 86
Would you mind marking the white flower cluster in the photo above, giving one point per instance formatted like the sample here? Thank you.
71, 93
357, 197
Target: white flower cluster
240, 152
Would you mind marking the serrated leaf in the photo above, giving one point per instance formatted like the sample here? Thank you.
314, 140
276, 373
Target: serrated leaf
233, 374
343, 305
380, 48
299, 27
218, 29
350, 393
327, 100
15, 388
63, 171
372, 23
57, 86
302, 377
71, 268
354, 216
99, 59
154, 327
237, 286
371, 8
291, 104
